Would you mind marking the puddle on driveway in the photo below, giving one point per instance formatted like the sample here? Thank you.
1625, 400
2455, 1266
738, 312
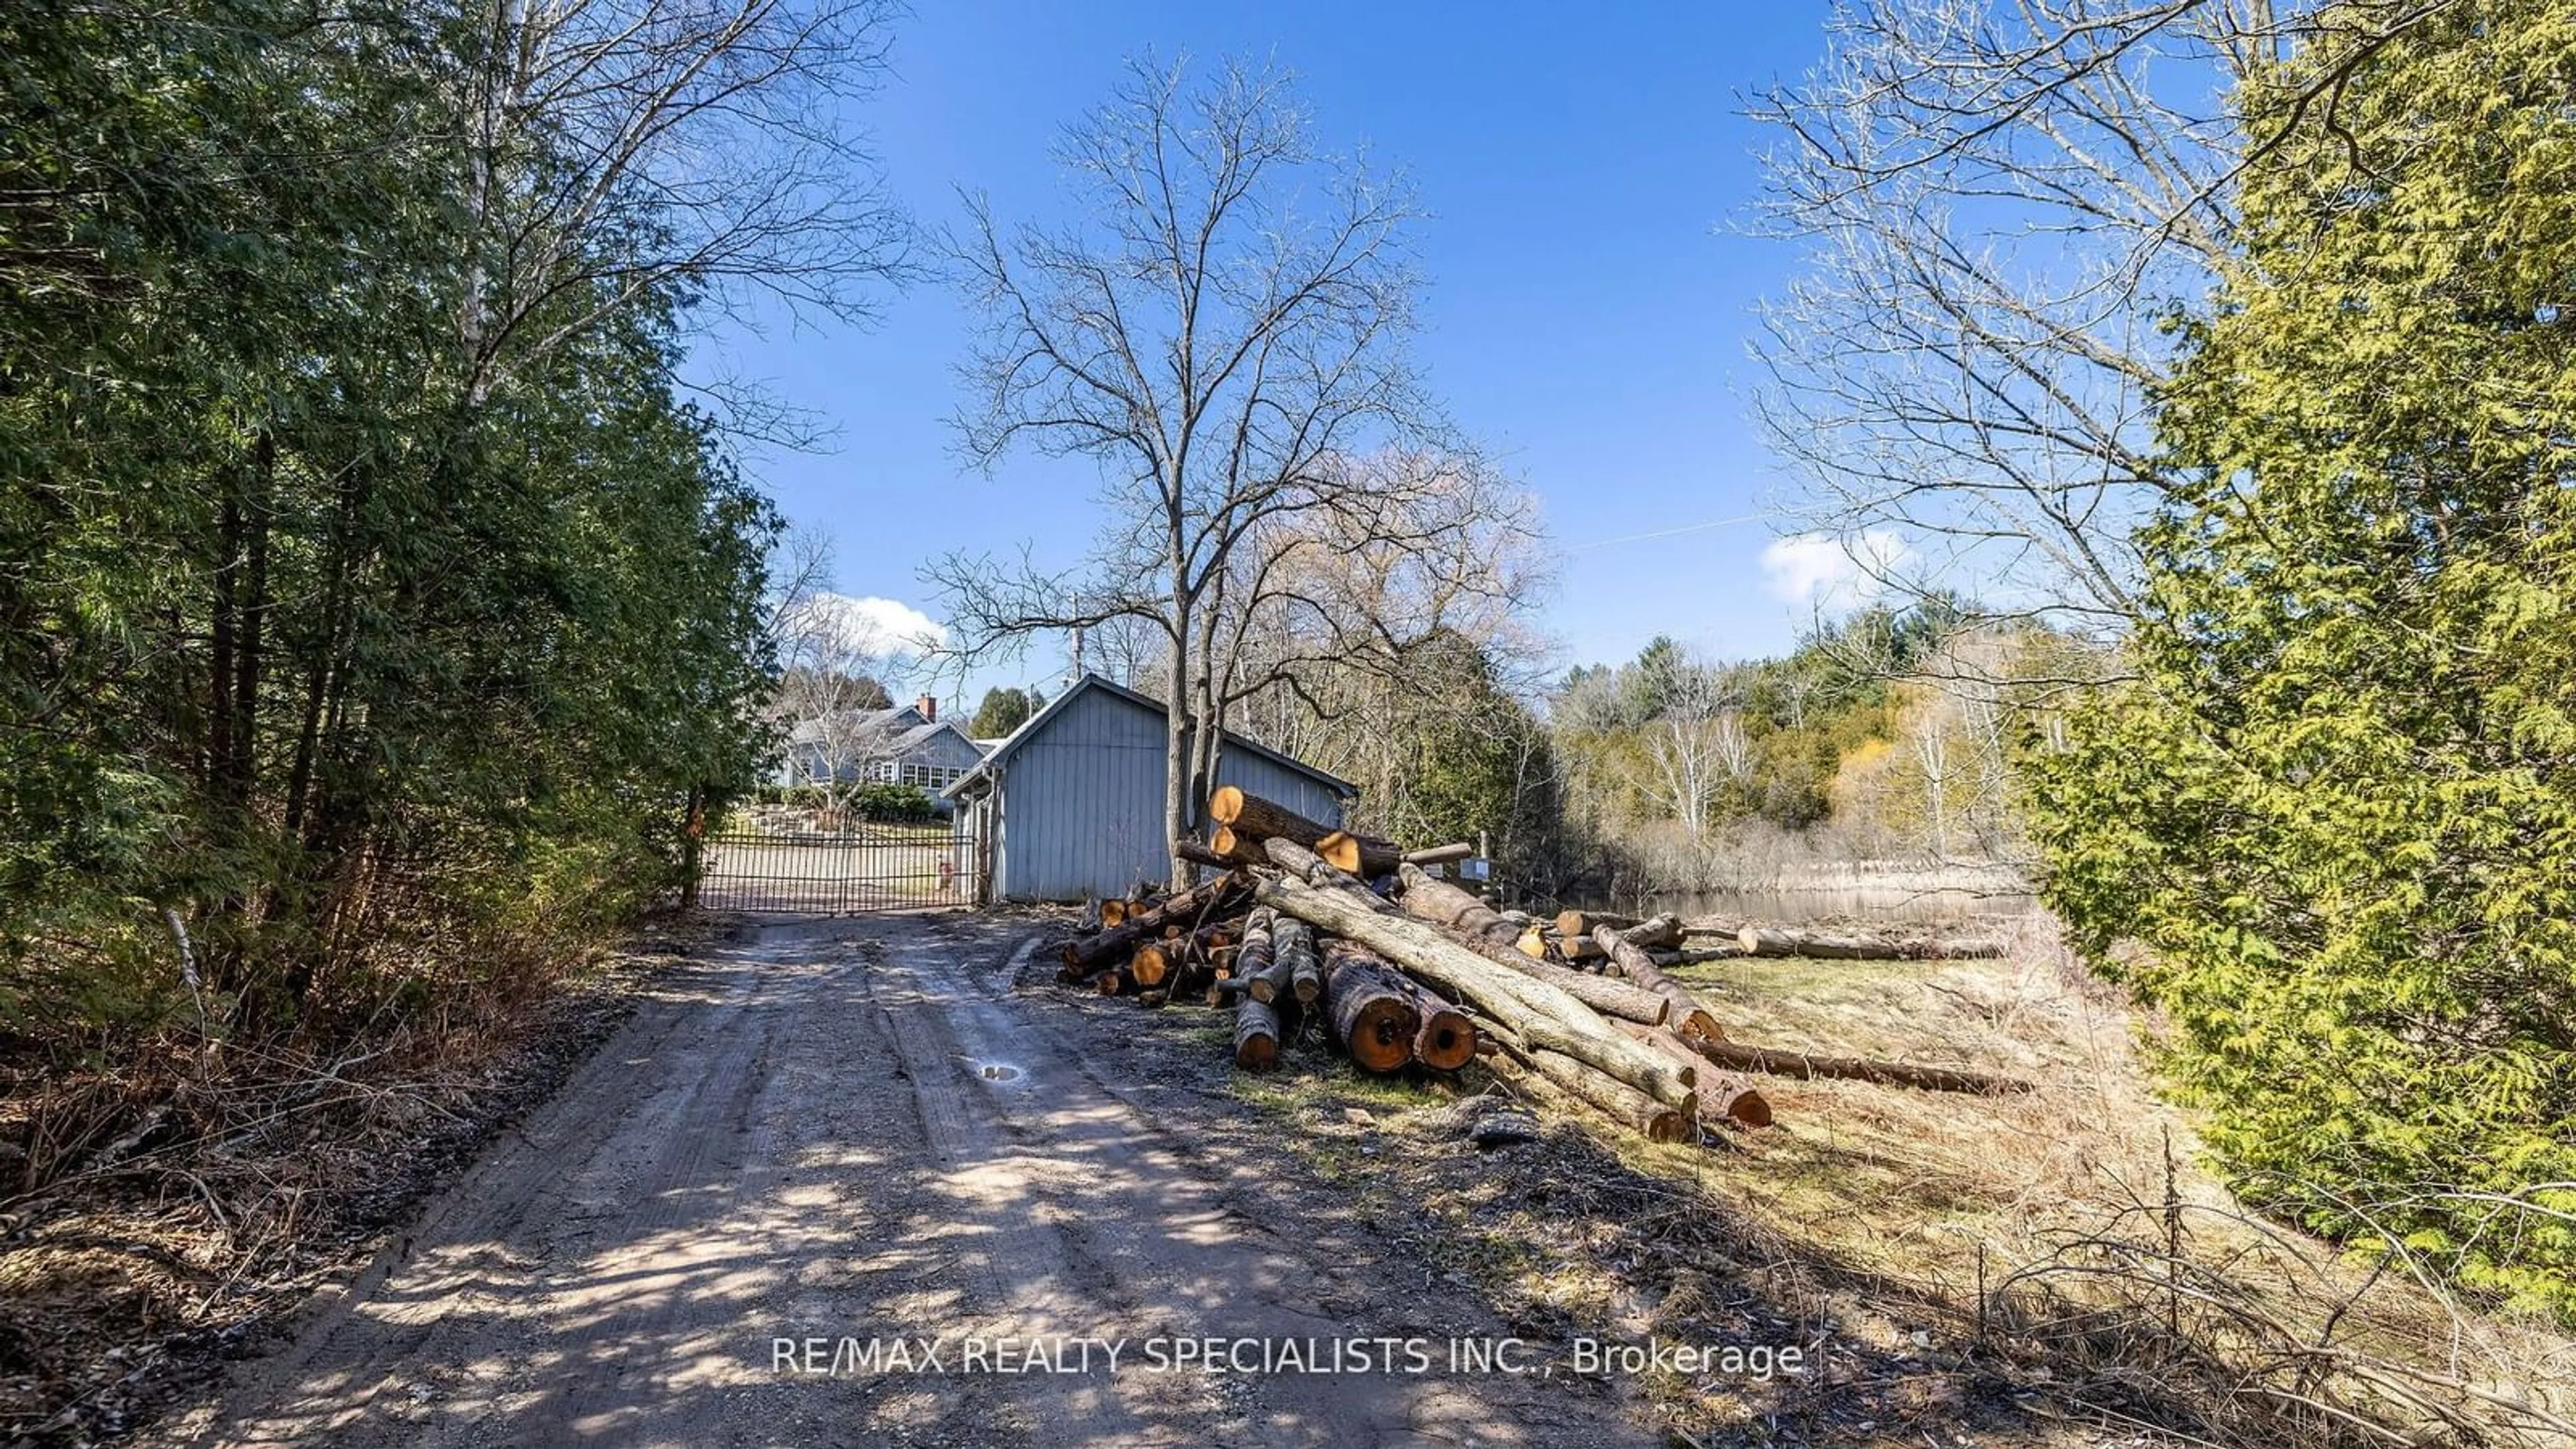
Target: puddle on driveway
1001, 1072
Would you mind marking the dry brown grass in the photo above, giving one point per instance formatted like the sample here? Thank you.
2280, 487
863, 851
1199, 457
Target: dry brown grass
2044, 1269
2068, 1233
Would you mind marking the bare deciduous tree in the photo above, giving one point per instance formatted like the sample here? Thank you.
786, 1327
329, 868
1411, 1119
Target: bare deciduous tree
615, 149
1223, 341
2001, 203
1697, 743
836, 670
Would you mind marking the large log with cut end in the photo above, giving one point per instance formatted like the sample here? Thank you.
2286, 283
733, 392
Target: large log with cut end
1306, 865
1624, 1104
1237, 848
1374, 1011
1723, 1096
1540, 1011
1585, 1087
1197, 854
1572, 924
1537, 941
1149, 965
1093, 954
1247, 814
1256, 1035
1806, 1067
1448, 1039
1361, 855
1688, 1018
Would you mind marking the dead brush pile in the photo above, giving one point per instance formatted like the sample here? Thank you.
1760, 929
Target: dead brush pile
159, 1210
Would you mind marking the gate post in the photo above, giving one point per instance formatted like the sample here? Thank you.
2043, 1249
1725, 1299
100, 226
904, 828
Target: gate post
693, 836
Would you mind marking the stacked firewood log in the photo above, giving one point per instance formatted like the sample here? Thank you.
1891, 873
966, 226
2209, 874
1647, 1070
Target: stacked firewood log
1304, 929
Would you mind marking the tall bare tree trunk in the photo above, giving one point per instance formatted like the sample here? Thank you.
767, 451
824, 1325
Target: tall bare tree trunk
1177, 808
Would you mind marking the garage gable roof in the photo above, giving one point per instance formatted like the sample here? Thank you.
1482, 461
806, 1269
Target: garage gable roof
1036, 725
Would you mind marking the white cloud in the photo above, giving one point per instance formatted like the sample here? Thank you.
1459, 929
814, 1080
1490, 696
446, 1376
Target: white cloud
1832, 575
870, 625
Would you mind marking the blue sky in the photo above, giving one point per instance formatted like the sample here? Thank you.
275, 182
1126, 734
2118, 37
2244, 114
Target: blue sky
1590, 298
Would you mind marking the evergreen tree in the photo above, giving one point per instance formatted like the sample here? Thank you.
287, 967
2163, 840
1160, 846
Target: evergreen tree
1003, 710
2337, 806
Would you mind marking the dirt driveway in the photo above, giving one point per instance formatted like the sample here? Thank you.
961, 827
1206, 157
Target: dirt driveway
883, 1130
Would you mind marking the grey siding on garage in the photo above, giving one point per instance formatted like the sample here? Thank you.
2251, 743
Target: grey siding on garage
1082, 802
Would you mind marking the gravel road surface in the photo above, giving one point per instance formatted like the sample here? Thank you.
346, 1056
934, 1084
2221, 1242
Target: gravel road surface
879, 1130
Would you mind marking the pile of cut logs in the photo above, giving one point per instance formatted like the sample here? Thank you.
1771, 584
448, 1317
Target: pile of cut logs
1307, 928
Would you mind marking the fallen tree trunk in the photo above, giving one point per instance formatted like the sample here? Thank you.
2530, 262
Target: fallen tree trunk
1252, 954
1723, 1096
1805, 1067
1374, 1010
1093, 954
1443, 904
1655, 933
1688, 1018
1542, 1013
1296, 951
1290, 939
1247, 814
1565, 1086
1256, 1036
1695, 955
1781, 941
1440, 854
1621, 1000
1491, 935
1365, 856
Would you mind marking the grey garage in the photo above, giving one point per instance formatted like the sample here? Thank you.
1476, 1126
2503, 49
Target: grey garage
1071, 805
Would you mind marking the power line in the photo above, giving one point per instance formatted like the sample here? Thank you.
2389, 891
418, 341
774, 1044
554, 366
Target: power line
1665, 532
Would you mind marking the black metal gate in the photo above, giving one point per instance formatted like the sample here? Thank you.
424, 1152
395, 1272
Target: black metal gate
787, 864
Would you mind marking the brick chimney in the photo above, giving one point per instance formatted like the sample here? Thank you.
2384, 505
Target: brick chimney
928, 704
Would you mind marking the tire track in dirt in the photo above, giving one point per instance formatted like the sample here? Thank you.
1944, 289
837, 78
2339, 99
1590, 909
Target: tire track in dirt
866, 1130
